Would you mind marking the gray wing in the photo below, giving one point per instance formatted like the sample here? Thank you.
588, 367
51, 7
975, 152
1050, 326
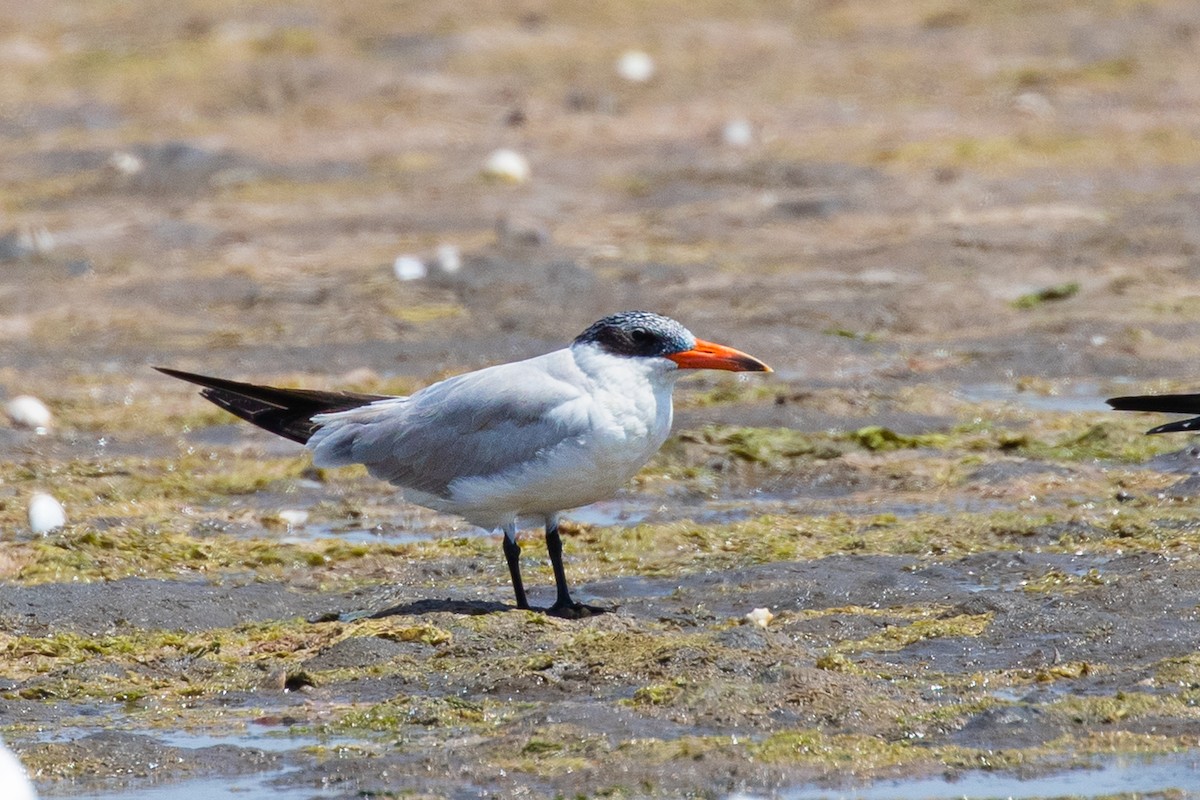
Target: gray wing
478, 424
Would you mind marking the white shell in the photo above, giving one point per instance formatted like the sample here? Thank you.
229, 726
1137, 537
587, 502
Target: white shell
409, 268
449, 258
507, 165
1034, 104
635, 66
738, 133
45, 513
294, 517
28, 412
125, 163
761, 617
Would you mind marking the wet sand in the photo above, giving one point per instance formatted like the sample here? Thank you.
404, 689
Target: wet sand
955, 230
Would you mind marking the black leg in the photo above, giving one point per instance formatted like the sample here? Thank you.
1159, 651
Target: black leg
512, 553
554, 548
564, 606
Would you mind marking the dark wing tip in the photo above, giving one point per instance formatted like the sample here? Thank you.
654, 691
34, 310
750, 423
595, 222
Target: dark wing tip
1174, 427
1165, 403
1138, 402
1176, 403
174, 373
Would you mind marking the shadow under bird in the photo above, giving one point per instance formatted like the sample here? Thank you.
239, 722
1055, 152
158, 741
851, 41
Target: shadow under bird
1169, 403
508, 445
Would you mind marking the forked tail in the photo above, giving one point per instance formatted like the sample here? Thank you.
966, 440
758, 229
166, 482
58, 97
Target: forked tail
286, 412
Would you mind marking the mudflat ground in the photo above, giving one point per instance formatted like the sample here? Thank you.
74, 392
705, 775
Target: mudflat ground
955, 228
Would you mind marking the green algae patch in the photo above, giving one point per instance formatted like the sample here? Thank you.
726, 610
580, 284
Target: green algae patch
763, 445
1183, 671
32, 655
1068, 438
1057, 582
818, 748
658, 694
1069, 670
664, 549
1050, 294
880, 439
393, 631
628, 652
836, 662
153, 488
726, 392
830, 754
404, 712
175, 667
1099, 441
1125, 707
897, 637
85, 554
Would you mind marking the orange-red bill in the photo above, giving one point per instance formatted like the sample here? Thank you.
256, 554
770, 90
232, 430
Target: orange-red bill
707, 355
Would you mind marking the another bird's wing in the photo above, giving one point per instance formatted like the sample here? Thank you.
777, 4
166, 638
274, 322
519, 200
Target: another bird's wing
1171, 403
475, 425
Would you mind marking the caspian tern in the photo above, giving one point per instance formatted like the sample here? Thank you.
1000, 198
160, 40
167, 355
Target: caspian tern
1172, 403
510, 444
13, 778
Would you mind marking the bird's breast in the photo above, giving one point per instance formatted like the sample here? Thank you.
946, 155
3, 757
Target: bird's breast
630, 425
624, 430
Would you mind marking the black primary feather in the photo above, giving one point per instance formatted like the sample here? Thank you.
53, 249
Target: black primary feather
286, 412
1168, 403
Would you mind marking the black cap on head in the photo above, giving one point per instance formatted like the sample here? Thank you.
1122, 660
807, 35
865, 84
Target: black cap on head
638, 333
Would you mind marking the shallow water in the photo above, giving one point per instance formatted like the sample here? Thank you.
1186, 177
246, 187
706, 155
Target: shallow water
255, 786
357, 534
1071, 397
273, 739
247, 787
1178, 772
1118, 775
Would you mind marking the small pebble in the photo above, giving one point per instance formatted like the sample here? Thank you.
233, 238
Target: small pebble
409, 268
27, 411
761, 617
294, 517
45, 513
738, 133
635, 66
449, 258
507, 165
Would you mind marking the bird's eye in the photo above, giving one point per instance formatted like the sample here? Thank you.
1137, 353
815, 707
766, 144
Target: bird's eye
641, 336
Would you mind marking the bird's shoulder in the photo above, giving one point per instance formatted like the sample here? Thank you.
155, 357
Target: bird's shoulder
516, 393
